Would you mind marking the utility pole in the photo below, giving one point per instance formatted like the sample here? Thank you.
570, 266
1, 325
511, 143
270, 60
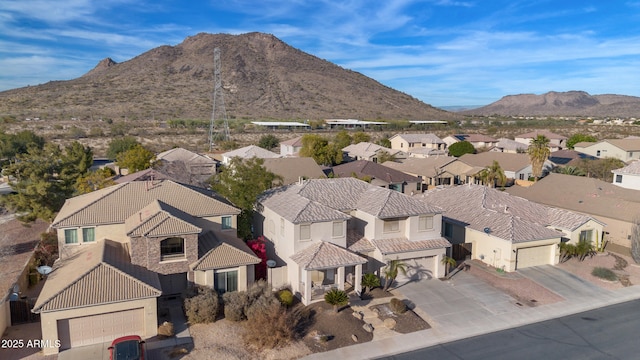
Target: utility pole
219, 110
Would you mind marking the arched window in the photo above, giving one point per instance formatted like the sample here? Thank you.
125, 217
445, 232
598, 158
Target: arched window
172, 248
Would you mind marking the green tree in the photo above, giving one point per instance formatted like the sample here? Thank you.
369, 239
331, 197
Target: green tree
600, 168
493, 175
241, 182
342, 139
460, 148
120, 145
384, 156
14, 144
94, 180
268, 142
391, 272
44, 179
135, 159
448, 263
361, 136
576, 138
369, 281
337, 298
538, 153
384, 142
319, 148
569, 170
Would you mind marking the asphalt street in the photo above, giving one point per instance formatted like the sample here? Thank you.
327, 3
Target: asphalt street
606, 333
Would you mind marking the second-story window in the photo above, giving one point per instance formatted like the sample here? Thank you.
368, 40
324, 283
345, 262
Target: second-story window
337, 229
226, 222
305, 232
391, 226
71, 236
425, 223
171, 249
89, 234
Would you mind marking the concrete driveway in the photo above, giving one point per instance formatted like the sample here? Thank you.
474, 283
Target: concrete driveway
564, 283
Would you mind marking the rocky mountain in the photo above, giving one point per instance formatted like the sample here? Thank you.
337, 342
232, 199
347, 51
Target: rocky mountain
262, 78
570, 103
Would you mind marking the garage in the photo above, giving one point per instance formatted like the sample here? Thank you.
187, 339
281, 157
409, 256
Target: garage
93, 329
534, 256
417, 269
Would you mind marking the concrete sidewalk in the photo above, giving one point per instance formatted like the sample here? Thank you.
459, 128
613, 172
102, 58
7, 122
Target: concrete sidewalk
464, 307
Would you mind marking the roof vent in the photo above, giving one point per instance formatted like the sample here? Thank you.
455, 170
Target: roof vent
487, 230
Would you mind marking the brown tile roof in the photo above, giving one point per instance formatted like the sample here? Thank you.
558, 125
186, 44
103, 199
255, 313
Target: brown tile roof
474, 138
357, 243
144, 175
219, 252
250, 152
186, 156
292, 168
116, 203
402, 245
584, 195
96, 274
363, 168
507, 161
325, 255
420, 138
508, 217
159, 219
319, 200
421, 166
632, 169
367, 149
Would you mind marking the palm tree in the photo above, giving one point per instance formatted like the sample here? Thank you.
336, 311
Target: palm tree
538, 153
337, 298
492, 175
448, 263
391, 272
369, 281
569, 170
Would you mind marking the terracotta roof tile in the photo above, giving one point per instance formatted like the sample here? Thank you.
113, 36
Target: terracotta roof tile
219, 252
402, 245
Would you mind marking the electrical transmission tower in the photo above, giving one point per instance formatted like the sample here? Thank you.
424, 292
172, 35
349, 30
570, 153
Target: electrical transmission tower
219, 112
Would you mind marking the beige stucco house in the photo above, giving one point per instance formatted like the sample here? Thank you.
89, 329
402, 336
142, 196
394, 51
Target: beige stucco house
556, 141
506, 231
628, 176
326, 233
123, 246
369, 151
624, 149
411, 142
431, 170
248, 152
479, 141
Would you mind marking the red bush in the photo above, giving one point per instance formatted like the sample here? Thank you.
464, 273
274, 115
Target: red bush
258, 246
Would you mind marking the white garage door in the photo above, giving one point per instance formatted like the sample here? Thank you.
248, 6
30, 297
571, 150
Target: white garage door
533, 256
100, 328
417, 269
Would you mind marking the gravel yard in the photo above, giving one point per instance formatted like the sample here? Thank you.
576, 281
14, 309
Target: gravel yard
626, 269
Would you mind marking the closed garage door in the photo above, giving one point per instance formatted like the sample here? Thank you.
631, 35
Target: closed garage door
100, 328
533, 256
417, 269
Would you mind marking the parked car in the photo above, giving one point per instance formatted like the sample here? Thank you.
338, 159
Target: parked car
127, 348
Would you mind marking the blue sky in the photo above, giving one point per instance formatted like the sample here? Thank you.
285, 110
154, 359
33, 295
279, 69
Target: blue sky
443, 52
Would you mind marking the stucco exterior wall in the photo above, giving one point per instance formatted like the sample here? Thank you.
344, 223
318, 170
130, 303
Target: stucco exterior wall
49, 320
605, 150
5, 315
627, 181
246, 276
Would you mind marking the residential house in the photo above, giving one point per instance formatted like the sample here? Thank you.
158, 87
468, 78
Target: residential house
199, 168
510, 146
613, 205
145, 175
291, 147
410, 142
431, 170
628, 176
17, 245
479, 141
507, 231
124, 246
292, 169
515, 166
369, 151
624, 149
379, 175
248, 152
556, 142
325, 232
568, 157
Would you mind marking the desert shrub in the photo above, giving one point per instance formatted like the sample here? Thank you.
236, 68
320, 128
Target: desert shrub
337, 298
234, 305
276, 326
397, 306
604, 273
166, 329
203, 307
286, 297
262, 304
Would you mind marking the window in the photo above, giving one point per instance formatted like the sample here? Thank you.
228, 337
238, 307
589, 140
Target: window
281, 226
618, 178
171, 248
226, 222
418, 186
89, 234
226, 281
586, 236
71, 236
337, 229
448, 230
598, 153
305, 232
391, 226
425, 223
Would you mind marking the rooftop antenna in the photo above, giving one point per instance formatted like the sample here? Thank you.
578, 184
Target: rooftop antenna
218, 101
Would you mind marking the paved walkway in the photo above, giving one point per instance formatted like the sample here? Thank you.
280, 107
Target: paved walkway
464, 306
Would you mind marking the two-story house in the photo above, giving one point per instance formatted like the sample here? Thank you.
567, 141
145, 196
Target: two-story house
124, 246
410, 142
324, 232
